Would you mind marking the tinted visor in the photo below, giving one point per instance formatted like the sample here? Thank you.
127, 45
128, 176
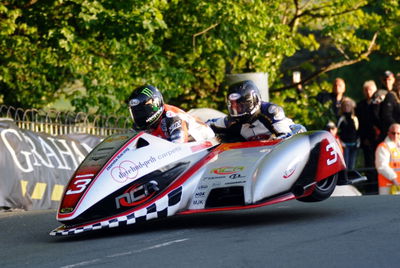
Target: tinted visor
142, 115
238, 105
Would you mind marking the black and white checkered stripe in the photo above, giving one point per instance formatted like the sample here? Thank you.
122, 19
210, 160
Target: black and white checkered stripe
165, 206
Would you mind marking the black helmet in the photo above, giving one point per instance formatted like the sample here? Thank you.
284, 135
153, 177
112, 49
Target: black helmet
146, 106
244, 101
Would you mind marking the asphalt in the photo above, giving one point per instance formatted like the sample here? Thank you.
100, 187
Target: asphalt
339, 232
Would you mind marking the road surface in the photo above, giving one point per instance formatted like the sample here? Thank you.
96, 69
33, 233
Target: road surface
339, 232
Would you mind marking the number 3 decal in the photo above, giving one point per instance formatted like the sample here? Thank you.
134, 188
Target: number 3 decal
330, 149
80, 186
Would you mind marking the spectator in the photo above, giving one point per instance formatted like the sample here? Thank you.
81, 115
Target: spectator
347, 129
388, 79
390, 109
335, 97
387, 160
367, 112
332, 128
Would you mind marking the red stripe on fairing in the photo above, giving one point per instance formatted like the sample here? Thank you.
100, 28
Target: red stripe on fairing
248, 144
286, 197
204, 145
86, 170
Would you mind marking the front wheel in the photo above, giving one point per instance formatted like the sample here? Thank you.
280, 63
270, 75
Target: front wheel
322, 191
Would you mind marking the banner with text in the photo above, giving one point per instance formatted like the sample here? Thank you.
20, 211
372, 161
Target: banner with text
35, 167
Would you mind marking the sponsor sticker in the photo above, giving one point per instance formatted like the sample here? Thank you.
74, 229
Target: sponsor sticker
289, 172
234, 96
117, 158
128, 170
214, 177
146, 91
198, 202
227, 170
234, 182
134, 102
236, 176
136, 194
175, 126
200, 194
170, 114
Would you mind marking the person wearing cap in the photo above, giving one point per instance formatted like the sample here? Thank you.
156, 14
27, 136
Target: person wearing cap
388, 79
250, 118
332, 128
150, 114
390, 108
387, 160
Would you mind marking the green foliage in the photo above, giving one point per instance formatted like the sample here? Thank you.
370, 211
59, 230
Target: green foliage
304, 106
185, 48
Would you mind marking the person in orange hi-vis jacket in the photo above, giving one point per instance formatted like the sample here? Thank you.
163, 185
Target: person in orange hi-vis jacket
387, 160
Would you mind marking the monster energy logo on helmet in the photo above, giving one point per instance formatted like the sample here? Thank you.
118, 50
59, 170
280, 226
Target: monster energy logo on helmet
147, 92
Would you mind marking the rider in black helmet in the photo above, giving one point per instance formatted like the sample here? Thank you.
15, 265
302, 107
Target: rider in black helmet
151, 114
244, 101
250, 118
146, 105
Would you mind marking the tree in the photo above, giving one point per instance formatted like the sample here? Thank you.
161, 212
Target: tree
334, 35
183, 47
108, 45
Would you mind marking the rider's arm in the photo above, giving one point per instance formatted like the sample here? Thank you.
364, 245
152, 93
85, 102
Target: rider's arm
176, 128
280, 124
218, 125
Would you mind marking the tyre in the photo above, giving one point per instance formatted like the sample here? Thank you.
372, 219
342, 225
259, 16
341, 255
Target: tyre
322, 191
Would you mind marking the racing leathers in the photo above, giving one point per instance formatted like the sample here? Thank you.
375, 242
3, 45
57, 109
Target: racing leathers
270, 122
177, 126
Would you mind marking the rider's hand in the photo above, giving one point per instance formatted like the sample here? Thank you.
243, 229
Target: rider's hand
282, 136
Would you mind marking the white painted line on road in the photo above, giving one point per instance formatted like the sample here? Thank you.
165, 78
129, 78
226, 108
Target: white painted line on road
82, 263
148, 248
127, 253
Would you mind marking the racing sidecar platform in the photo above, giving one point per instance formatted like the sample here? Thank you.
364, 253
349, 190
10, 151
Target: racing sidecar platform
135, 177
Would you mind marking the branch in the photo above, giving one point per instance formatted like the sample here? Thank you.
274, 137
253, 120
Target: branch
202, 32
286, 11
332, 66
29, 4
313, 14
306, 3
297, 14
341, 50
317, 15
